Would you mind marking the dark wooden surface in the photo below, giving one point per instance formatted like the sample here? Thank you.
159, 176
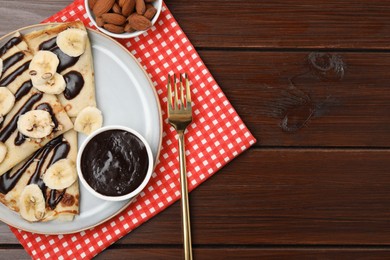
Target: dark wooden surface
311, 81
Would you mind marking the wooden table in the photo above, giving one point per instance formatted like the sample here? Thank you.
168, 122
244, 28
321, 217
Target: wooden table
311, 79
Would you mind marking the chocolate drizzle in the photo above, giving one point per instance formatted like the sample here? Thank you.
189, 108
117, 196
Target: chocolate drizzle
11, 77
49, 44
46, 107
74, 83
8, 45
8, 182
36, 177
12, 60
66, 61
54, 199
61, 150
19, 139
11, 127
23, 90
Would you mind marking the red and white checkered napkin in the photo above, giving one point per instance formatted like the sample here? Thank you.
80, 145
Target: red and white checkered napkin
215, 137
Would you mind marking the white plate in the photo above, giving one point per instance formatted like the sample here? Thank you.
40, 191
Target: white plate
126, 97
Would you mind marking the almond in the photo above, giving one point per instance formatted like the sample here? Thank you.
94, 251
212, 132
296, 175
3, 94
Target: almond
91, 3
128, 28
113, 18
100, 21
116, 8
121, 2
140, 6
128, 7
113, 28
150, 11
139, 22
102, 6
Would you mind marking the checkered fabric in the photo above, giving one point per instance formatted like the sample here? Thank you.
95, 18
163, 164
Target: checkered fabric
215, 137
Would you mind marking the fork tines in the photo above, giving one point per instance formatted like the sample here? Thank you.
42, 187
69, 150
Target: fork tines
184, 101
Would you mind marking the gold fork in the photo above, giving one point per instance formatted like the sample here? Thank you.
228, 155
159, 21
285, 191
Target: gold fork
180, 116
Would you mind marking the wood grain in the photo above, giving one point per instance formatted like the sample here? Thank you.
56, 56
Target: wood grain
222, 253
18, 14
270, 197
286, 101
288, 197
281, 199
6, 236
20, 254
285, 24
238, 253
252, 23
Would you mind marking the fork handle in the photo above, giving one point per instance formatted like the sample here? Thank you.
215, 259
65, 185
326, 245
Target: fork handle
184, 199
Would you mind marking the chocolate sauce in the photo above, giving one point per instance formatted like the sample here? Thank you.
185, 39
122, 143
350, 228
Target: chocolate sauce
60, 150
11, 77
11, 127
23, 90
36, 176
49, 44
55, 198
46, 107
12, 60
66, 61
19, 139
114, 162
74, 83
2, 122
8, 45
8, 182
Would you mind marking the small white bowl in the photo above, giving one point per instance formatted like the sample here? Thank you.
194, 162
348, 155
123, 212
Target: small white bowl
125, 196
157, 4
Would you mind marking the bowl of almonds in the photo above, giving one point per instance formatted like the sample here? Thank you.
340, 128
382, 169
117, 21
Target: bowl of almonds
123, 18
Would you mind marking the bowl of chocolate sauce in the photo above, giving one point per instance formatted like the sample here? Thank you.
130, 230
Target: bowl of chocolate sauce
115, 163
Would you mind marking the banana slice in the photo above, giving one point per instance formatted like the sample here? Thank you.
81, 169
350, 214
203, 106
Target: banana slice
60, 175
35, 124
32, 203
55, 85
72, 41
43, 67
7, 101
1, 67
3, 151
88, 120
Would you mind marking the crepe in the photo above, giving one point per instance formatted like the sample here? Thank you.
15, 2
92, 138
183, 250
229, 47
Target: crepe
71, 68
16, 56
17, 79
63, 204
34, 157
